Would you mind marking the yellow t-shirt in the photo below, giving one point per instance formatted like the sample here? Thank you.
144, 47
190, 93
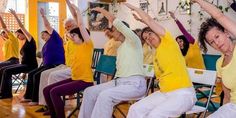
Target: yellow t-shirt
169, 65
69, 50
111, 46
194, 58
147, 54
227, 73
11, 47
81, 61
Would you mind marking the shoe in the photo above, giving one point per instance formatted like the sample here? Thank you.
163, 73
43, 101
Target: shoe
25, 100
5, 96
42, 109
47, 113
33, 103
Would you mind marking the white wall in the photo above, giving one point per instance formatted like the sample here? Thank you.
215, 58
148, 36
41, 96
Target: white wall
125, 14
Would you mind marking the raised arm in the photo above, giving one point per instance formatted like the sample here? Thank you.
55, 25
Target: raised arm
226, 22
26, 33
182, 29
45, 21
3, 25
80, 24
158, 29
108, 15
72, 10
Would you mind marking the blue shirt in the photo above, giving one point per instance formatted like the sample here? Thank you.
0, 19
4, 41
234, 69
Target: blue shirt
53, 50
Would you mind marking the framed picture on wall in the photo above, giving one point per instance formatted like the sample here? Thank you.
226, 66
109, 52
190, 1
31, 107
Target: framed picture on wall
184, 7
144, 5
96, 21
162, 7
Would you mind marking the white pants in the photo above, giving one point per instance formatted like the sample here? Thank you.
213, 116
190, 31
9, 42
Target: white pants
48, 77
98, 101
164, 105
226, 111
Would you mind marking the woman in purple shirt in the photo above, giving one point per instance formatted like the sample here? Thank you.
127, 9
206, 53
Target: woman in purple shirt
53, 55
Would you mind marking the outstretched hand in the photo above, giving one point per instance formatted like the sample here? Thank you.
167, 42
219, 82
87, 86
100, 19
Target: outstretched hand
12, 11
129, 6
172, 15
42, 12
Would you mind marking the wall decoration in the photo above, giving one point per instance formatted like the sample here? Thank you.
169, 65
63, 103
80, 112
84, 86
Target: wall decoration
144, 5
97, 22
162, 7
184, 7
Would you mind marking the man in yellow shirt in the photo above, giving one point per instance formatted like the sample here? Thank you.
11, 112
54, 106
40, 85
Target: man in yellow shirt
10, 47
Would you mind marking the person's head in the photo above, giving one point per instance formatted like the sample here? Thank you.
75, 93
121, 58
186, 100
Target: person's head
45, 35
183, 44
150, 37
138, 32
76, 35
20, 35
70, 24
108, 32
215, 35
116, 34
4, 35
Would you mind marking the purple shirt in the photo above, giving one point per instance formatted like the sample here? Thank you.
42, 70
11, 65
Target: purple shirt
185, 33
53, 50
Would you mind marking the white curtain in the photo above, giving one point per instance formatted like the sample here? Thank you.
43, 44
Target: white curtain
3, 5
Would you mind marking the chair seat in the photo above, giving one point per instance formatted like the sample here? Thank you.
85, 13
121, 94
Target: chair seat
196, 109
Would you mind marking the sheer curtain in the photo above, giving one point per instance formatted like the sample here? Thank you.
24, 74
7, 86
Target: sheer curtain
3, 5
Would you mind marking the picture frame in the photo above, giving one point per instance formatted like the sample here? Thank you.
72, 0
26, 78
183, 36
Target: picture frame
162, 7
96, 21
144, 5
184, 7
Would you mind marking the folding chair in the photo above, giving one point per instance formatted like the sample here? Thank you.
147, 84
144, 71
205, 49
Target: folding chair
149, 73
18, 80
106, 65
96, 55
205, 77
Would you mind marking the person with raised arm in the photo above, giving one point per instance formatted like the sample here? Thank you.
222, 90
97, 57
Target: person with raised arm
176, 95
216, 32
129, 82
28, 59
53, 55
81, 70
189, 47
10, 46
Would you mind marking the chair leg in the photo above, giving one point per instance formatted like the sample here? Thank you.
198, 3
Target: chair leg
21, 83
122, 113
183, 116
74, 110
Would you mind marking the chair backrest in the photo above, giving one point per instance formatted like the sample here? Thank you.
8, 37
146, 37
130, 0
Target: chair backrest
207, 77
210, 61
106, 65
149, 73
96, 55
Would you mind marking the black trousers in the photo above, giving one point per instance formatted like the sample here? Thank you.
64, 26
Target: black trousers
10, 61
32, 89
6, 80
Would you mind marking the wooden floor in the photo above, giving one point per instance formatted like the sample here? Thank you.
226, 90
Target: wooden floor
12, 108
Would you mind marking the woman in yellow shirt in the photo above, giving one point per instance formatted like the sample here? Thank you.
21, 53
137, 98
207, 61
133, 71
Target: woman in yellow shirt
81, 70
189, 47
10, 46
216, 33
176, 94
